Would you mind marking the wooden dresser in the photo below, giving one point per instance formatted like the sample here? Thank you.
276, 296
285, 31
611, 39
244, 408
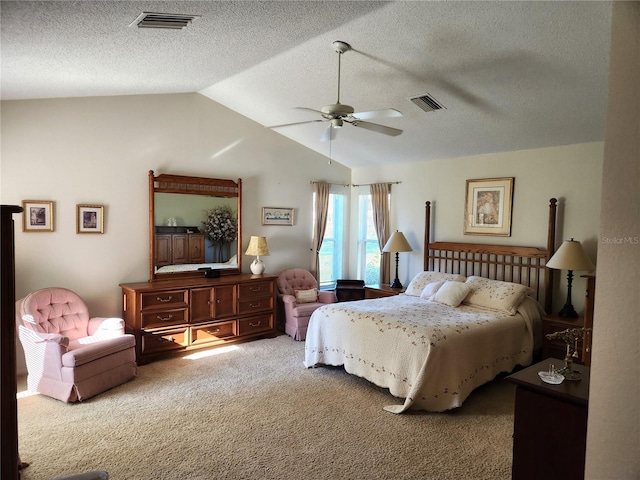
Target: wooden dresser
179, 247
178, 315
550, 424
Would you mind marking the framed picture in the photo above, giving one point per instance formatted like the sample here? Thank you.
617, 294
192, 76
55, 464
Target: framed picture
277, 216
488, 206
37, 216
89, 219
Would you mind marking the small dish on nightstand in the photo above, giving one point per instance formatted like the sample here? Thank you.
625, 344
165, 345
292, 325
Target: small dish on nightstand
552, 377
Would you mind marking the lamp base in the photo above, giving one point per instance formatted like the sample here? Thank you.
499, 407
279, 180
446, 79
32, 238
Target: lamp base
568, 311
396, 283
257, 267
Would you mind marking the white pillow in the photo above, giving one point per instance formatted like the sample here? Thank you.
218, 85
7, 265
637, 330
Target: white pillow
430, 289
307, 296
452, 293
496, 294
421, 279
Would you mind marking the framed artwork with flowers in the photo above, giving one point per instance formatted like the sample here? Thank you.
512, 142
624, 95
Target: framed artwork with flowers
488, 206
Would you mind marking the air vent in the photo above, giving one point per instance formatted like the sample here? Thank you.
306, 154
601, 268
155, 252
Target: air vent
427, 103
172, 21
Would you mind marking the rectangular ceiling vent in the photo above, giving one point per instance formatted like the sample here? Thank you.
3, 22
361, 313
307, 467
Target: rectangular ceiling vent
427, 103
172, 21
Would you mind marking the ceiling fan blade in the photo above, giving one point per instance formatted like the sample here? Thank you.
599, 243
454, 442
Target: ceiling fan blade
329, 134
309, 110
374, 127
295, 123
385, 113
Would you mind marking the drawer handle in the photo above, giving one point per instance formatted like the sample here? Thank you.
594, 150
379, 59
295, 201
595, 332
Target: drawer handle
164, 300
209, 302
255, 324
213, 332
255, 305
164, 319
255, 289
168, 339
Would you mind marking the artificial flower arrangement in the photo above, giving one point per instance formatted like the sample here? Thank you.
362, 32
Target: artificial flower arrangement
220, 226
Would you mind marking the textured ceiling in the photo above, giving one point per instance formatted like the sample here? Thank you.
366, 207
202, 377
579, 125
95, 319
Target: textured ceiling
511, 75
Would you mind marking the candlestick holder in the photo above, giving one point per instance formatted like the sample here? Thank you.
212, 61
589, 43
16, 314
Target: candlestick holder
572, 337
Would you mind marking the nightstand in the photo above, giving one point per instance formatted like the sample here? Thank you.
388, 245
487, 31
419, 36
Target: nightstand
380, 291
554, 323
550, 424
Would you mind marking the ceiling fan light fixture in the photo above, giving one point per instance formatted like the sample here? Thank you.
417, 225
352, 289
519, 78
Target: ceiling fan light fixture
336, 123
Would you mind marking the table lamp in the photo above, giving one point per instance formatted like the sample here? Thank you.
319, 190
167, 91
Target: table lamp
397, 243
570, 256
257, 247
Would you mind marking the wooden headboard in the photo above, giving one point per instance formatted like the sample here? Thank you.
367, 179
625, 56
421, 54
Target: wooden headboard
525, 265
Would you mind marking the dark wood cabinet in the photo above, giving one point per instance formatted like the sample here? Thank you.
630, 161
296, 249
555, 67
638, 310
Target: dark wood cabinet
550, 424
184, 314
8, 402
179, 248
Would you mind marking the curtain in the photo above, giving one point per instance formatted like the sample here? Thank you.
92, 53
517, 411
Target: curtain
321, 208
380, 204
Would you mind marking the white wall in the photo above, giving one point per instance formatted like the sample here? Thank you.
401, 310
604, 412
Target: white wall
100, 150
571, 174
613, 436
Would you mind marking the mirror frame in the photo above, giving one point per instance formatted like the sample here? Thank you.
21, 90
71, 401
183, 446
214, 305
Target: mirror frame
211, 187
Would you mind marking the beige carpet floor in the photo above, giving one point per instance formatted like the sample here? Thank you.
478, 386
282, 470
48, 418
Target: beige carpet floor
255, 412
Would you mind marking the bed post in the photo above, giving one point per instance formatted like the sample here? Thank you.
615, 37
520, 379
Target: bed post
427, 229
551, 248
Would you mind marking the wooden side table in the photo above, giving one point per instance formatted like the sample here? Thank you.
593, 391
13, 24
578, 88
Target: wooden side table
379, 291
555, 323
550, 424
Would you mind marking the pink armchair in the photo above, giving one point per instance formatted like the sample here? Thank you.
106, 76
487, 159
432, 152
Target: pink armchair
296, 314
69, 355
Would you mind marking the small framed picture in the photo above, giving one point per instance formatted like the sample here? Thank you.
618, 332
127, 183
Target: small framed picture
277, 216
89, 219
37, 216
488, 206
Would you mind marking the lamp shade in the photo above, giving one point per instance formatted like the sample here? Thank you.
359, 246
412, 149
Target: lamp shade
257, 246
571, 256
397, 243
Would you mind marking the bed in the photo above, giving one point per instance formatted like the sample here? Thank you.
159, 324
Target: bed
472, 314
190, 267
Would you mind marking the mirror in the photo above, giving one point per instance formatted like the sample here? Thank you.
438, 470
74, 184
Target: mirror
180, 245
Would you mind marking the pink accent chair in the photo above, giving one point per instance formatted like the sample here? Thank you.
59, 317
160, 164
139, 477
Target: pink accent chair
69, 355
296, 315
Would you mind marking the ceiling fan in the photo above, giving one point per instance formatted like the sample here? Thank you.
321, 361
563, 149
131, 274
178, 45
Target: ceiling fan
337, 114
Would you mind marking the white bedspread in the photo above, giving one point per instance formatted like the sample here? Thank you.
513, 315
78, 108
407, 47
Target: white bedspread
430, 354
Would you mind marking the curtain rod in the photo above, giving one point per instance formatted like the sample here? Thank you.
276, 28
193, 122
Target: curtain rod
354, 185
339, 184
369, 184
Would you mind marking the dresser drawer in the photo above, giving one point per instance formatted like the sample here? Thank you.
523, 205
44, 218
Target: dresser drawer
164, 318
255, 305
168, 299
213, 332
163, 341
250, 290
256, 324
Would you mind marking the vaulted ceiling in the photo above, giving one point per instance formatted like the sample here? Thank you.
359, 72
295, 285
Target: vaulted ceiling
510, 75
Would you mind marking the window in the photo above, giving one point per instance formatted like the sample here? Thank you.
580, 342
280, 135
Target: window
330, 258
368, 249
